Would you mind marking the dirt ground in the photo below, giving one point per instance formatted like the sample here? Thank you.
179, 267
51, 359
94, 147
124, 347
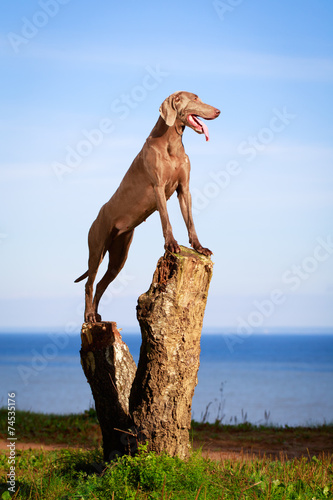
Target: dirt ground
248, 444
218, 449
272, 442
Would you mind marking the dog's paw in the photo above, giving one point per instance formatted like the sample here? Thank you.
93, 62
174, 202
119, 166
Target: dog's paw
203, 251
172, 246
93, 317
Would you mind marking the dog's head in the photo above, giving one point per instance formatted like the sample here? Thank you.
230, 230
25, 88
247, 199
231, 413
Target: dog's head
187, 108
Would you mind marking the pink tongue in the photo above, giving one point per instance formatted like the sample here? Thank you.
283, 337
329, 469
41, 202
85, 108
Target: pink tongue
204, 127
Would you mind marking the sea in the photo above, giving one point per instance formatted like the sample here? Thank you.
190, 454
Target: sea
275, 378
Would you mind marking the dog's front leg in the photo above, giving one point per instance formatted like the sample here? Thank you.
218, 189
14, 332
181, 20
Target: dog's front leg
185, 202
170, 242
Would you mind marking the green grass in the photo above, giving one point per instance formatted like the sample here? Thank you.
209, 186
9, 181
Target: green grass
74, 429
69, 474
83, 430
81, 474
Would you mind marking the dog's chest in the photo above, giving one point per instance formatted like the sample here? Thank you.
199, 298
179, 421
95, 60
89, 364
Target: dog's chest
176, 159
175, 172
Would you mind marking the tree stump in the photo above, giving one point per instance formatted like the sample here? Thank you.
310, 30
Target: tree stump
110, 369
155, 405
170, 316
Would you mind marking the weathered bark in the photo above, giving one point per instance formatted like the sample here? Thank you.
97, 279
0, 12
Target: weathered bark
170, 316
153, 402
110, 370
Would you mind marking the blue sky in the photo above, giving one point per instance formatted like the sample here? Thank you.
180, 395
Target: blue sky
81, 84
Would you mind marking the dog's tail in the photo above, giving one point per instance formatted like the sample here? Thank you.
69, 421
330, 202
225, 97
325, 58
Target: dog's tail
85, 275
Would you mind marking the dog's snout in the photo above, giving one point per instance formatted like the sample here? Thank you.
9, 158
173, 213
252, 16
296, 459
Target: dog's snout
217, 112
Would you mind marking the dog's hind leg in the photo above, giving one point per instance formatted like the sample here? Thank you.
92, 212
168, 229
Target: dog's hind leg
118, 251
95, 260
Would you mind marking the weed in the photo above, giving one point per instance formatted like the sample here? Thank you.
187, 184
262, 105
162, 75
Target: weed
71, 474
79, 429
81, 474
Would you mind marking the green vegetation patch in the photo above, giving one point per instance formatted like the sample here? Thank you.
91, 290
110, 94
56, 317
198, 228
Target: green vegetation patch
81, 474
73, 430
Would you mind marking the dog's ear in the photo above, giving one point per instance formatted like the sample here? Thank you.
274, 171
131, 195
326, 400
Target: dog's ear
168, 112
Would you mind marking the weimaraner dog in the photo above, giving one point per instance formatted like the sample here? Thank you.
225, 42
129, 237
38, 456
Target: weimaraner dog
161, 168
